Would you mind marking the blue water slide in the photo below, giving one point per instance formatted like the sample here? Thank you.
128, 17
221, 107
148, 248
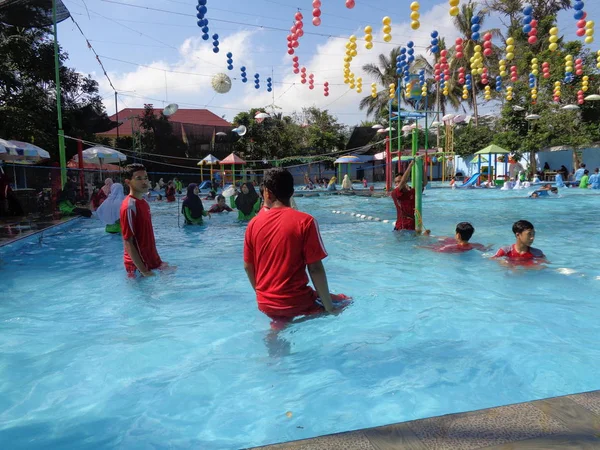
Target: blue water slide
470, 182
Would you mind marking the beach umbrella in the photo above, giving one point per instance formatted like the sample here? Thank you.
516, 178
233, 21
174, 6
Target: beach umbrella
100, 155
31, 152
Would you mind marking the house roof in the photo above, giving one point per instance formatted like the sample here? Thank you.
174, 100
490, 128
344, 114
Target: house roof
187, 116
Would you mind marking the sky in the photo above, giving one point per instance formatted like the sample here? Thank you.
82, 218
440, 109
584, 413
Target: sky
153, 51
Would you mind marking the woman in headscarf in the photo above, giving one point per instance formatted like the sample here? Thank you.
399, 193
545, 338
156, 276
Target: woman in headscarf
192, 207
170, 192
247, 202
105, 191
346, 183
331, 185
110, 210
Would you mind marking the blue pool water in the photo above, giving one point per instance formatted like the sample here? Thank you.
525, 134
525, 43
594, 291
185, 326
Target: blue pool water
92, 360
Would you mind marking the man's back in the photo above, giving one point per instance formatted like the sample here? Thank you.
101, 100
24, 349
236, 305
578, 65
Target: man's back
280, 243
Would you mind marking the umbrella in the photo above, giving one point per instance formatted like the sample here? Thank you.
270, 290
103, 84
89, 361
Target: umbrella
211, 161
21, 153
492, 150
100, 155
7, 150
30, 152
348, 160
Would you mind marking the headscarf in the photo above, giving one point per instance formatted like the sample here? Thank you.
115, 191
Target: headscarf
106, 188
245, 202
193, 202
109, 211
346, 183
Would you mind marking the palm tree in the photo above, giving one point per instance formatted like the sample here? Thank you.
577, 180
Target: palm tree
384, 74
513, 8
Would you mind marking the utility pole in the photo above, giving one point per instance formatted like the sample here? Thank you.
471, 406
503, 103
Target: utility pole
61, 133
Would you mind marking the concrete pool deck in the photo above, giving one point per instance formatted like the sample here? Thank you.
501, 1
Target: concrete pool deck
569, 422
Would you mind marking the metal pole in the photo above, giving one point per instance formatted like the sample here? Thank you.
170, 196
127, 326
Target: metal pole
117, 113
61, 133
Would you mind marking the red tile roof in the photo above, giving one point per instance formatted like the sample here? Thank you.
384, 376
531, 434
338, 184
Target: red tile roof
191, 116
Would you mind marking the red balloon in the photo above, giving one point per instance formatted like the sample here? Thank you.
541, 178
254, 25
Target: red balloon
299, 16
580, 92
461, 81
316, 21
299, 24
580, 32
444, 53
311, 76
556, 99
295, 44
459, 55
459, 48
304, 70
300, 33
487, 44
579, 72
316, 12
437, 78
581, 23
488, 36
291, 51
488, 52
437, 66
303, 81
296, 70
326, 84
578, 61
293, 29
513, 79
459, 41
546, 75
532, 39
289, 37
545, 64
581, 101
350, 4
326, 94
311, 87
443, 60
533, 32
584, 16
290, 45
295, 59
316, 3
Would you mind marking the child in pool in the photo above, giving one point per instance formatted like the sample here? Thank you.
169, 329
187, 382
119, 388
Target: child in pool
460, 243
521, 250
220, 206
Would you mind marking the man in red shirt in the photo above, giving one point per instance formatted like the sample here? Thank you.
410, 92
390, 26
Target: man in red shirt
279, 245
404, 200
136, 225
522, 249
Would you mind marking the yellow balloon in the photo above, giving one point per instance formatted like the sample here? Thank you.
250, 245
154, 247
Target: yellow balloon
353, 46
465, 97
352, 38
414, 6
392, 86
598, 53
598, 66
585, 88
415, 24
534, 61
589, 24
387, 29
557, 83
534, 96
589, 40
553, 47
369, 37
358, 91
569, 58
503, 73
454, 11
454, 2
352, 85
347, 59
553, 39
368, 29
510, 56
553, 31
386, 20
415, 15
387, 37
369, 45
510, 41
586, 78
535, 72
589, 32
478, 49
510, 48
374, 95
354, 53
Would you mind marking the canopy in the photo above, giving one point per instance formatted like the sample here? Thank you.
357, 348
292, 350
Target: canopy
100, 154
348, 160
72, 164
22, 152
403, 158
476, 160
209, 160
492, 150
233, 159
31, 151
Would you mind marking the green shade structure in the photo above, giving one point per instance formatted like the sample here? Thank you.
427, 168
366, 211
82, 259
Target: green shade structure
492, 150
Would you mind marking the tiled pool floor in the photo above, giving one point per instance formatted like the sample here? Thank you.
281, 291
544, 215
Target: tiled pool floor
569, 422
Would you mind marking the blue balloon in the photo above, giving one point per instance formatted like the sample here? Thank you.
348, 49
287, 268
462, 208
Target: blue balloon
527, 20
411, 51
216, 49
257, 86
205, 21
411, 58
398, 58
205, 37
398, 72
200, 16
200, 23
579, 14
527, 10
498, 89
435, 49
475, 28
410, 44
402, 51
435, 41
578, 5
230, 67
243, 68
475, 20
202, 2
205, 29
398, 65
202, 10
475, 36
230, 55
434, 34
216, 43
526, 28
256, 75
269, 89
215, 36
244, 79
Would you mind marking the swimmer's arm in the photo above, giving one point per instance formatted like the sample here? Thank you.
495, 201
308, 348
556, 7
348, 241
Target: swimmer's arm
249, 268
319, 279
405, 176
132, 251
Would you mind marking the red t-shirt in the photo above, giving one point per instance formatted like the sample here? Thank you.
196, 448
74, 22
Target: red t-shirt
136, 222
512, 253
280, 243
405, 209
449, 245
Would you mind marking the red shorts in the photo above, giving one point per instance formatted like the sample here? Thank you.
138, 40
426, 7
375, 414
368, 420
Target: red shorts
405, 224
280, 322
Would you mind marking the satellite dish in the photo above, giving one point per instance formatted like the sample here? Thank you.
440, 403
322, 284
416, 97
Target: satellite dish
518, 108
570, 107
241, 130
460, 118
221, 133
532, 117
170, 109
377, 126
593, 97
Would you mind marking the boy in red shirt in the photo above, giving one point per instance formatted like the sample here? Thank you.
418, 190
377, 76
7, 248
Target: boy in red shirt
522, 249
460, 243
136, 225
279, 245
404, 200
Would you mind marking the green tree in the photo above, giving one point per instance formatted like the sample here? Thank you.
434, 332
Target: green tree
385, 74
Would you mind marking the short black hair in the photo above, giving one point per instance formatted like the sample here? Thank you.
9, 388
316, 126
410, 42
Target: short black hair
582, 165
131, 169
585, 172
220, 197
522, 225
465, 229
280, 182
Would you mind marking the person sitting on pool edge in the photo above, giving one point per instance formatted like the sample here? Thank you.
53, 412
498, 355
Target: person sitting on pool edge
460, 243
192, 207
279, 245
247, 202
521, 250
140, 252
220, 206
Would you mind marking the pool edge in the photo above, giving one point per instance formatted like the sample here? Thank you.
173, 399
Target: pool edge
569, 421
17, 243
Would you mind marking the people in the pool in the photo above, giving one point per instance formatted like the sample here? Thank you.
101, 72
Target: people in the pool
109, 211
192, 208
220, 206
246, 201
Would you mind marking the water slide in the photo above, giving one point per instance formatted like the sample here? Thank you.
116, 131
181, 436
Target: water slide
470, 182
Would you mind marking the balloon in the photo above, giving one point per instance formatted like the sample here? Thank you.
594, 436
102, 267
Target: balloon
532, 39
350, 4
581, 23
581, 32
488, 52
387, 37
589, 40
386, 20
316, 21
454, 11
475, 36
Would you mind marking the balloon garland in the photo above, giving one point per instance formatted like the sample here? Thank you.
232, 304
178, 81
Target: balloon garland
326, 89
387, 29
415, 15
374, 90
256, 81
316, 12
498, 83
454, 7
510, 49
269, 84
475, 28
229, 61
557, 92
553, 39
393, 91
568, 68
502, 68
514, 76
598, 59
368, 37
215, 43
434, 48
533, 80
459, 48
303, 75
202, 20
311, 81
546, 70
296, 65
509, 93
487, 45
243, 74
529, 24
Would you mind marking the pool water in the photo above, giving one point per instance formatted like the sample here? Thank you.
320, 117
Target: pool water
90, 359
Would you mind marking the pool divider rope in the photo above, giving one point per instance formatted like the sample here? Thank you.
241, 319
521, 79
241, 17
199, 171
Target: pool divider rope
362, 216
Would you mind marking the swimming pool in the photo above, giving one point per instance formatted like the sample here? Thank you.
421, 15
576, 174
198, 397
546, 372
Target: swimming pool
90, 359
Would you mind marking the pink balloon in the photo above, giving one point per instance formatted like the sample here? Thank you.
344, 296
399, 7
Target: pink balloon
580, 32
459, 41
578, 61
581, 101
556, 99
350, 4
580, 92
488, 52
532, 39
296, 70
316, 3
316, 12
316, 21
459, 55
545, 64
